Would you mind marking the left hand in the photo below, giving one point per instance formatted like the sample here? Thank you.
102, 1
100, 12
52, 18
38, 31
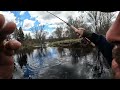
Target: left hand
7, 49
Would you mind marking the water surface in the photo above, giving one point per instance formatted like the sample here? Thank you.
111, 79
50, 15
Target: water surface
61, 63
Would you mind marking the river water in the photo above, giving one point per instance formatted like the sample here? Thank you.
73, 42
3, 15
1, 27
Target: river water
61, 63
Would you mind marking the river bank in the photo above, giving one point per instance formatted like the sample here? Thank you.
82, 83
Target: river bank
71, 43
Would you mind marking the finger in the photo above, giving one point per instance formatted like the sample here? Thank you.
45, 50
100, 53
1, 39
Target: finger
2, 20
78, 35
12, 45
6, 60
78, 30
8, 52
6, 71
8, 29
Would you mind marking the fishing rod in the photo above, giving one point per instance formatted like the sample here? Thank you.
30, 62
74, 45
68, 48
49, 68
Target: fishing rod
74, 28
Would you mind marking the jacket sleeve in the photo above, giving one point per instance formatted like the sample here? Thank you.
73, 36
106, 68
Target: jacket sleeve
101, 43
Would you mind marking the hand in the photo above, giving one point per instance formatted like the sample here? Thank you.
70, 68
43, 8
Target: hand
80, 32
116, 69
7, 49
113, 34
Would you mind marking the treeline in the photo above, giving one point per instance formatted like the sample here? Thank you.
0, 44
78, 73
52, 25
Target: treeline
98, 22
27, 40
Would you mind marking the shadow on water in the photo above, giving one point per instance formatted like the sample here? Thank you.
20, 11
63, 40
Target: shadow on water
78, 53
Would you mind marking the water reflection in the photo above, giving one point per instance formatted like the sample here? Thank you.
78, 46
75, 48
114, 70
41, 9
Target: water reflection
78, 53
61, 51
75, 53
62, 63
22, 60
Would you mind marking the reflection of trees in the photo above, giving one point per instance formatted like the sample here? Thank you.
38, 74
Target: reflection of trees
29, 53
61, 51
78, 53
41, 52
75, 53
22, 59
99, 65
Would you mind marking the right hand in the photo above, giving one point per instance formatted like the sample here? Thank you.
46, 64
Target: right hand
116, 69
80, 32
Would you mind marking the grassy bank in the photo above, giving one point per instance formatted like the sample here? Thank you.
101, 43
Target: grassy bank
60, 43
69, 43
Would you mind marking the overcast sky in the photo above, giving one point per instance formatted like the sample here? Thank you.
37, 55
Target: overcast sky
28, 20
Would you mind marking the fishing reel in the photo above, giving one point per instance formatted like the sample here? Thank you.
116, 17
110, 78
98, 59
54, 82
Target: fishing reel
87, 42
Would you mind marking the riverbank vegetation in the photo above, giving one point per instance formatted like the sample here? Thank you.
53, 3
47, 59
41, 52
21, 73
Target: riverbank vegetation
71, 43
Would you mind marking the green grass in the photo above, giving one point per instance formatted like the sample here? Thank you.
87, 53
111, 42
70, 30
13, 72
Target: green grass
65, 42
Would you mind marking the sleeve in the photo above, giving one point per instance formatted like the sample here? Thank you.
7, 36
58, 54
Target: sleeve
101, 43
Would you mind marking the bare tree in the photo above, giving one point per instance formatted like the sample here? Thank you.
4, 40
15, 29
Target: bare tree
70, 33
78, 22
106, 23
43, 37
100, 21
58, 32
40, 35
